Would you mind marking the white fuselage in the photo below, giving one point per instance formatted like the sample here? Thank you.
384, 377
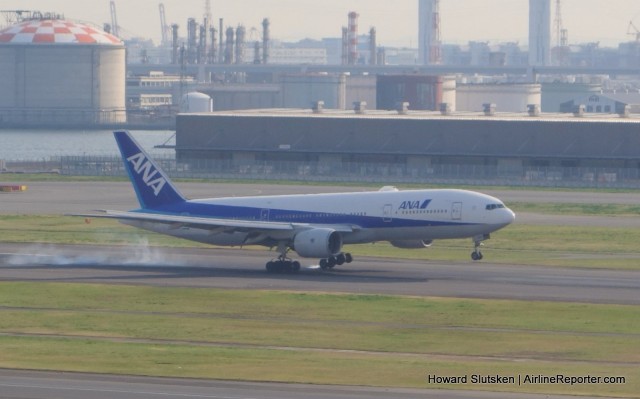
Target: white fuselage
372, 216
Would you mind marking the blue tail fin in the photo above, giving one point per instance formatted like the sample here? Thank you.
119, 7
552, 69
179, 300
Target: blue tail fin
152, 185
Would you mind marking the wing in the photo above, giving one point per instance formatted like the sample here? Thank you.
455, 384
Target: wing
207, 223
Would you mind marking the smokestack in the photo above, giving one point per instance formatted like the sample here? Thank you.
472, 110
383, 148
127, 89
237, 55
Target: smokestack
204, 33
429, 27
265, 40
202, 45
228, 50
372, 46
353, 38
345, 45
213, 51
240, 41
174, 44
192, 40
221, 46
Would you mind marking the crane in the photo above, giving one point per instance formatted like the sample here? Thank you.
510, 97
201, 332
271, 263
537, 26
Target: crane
114, 19
165, 29
633, 30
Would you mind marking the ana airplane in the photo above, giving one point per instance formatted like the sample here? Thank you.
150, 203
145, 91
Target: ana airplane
312, 225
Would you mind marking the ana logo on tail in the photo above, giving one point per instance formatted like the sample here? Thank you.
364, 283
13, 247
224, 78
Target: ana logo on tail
142, 166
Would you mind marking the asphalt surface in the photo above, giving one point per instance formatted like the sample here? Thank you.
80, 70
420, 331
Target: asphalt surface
244, 269
49, 385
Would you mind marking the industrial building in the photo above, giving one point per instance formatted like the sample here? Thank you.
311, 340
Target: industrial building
411, 146
539, 32
429, 45
60, 73
605, 103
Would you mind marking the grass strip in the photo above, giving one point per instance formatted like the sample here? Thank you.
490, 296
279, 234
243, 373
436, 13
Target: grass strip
297, 366
511, 344
404, 338
276, 306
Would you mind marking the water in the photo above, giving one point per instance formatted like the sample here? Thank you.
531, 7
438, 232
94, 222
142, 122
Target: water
33, 145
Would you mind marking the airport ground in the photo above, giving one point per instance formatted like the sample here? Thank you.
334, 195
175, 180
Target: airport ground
585, 294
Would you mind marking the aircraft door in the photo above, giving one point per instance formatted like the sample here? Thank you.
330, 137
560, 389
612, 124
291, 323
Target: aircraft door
456, 211
264, 215
387, 213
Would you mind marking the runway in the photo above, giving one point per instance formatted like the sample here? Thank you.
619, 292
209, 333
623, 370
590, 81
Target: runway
46, 385
244, 269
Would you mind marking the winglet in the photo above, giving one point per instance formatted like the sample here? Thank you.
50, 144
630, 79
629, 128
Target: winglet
153, 187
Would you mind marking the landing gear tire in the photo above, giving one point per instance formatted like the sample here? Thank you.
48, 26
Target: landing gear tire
333, 261
270, 267
477, 243
283, 266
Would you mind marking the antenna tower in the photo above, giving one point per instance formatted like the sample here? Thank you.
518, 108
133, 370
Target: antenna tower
557, 23
115, 29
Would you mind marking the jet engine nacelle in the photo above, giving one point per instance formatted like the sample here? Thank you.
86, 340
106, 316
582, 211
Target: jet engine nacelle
412, 244
317, 243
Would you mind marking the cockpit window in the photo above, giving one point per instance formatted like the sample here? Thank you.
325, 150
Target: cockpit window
491, 207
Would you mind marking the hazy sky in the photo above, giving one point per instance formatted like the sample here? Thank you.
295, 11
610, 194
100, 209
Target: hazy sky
604, 21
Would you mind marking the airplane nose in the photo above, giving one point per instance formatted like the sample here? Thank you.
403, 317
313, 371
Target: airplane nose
509, 216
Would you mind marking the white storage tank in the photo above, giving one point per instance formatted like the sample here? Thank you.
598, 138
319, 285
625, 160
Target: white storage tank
61, 73
299, 91
507, 97
196, 102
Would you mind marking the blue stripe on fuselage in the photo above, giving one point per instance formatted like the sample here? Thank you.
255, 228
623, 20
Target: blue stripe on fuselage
233, 212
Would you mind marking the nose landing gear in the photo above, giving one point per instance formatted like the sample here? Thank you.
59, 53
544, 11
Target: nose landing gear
477, 242
476, 254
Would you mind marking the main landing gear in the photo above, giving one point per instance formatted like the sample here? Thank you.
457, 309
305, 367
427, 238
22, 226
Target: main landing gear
477, 242
332, 261
283, 264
